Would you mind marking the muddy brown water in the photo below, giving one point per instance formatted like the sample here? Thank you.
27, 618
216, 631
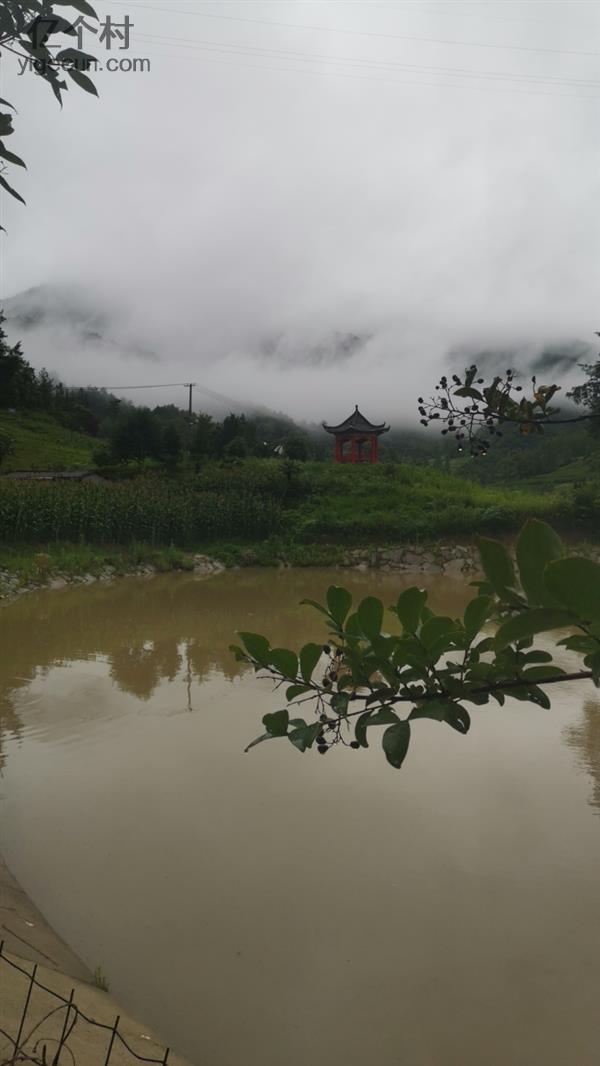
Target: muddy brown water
271, 907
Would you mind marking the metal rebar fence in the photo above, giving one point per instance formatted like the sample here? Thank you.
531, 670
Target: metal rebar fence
30, 1045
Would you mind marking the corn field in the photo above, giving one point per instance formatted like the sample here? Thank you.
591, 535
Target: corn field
152, 511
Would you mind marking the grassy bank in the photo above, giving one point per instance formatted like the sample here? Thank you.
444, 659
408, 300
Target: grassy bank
40, 563
41, 443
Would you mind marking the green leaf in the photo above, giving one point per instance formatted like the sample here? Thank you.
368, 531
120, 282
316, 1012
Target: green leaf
82, 80
296, 690
593, 663
339, 702
353, 626
409, 606
576, 584
580, 643
6, 126
444, 711
79, 5
285, 661
474, 394
82, 60
317, 606
257, 647
536, 620
384, 716
276, 724
339, 602
13, 192
395, 743
537, 545
458, 717
537, 656
536, 695
11, 157
432, 709
309, 657
238, 652
539, 673
304, 736
476, 613
370, 616
43, 26
497, 564
436, 627
259, 740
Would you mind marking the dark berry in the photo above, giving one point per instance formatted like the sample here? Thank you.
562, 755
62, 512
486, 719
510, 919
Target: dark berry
354, 744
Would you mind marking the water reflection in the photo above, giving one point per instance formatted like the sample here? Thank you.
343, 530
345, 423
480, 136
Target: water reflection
11, 726
301, 910
149, 631
584, 738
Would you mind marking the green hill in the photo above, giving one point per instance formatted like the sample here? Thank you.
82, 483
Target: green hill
41, 443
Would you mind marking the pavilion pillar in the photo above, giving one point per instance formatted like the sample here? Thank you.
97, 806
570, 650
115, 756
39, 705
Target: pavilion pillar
374, 444
353, 452
338, 449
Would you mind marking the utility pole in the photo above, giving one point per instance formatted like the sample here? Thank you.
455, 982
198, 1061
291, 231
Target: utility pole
190, 385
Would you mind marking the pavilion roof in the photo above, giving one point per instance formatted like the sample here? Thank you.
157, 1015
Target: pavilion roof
357, 423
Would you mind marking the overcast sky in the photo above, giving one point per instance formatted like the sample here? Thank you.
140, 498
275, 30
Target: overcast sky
308, 204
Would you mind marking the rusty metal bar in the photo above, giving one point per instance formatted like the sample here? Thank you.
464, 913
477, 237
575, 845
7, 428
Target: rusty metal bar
55, 1060
112, 1039
26, 1007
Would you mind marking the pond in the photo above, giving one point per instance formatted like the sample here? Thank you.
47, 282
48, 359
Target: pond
272, 907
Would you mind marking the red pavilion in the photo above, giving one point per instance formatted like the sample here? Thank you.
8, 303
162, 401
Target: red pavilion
356, 438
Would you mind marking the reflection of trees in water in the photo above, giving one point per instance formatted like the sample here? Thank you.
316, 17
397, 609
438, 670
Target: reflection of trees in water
139, 670
10, 725
148, 631
584, 738
172, 626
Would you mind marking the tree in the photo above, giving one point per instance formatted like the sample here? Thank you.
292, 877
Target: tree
171, 444
18, 385
136, 436
26, 27
366, 676
295, 448
203, 437
236, 448
472, 412
588, 394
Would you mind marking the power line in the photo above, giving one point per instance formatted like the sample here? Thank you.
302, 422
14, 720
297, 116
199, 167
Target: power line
227, 401
357, 33
122, 388
372, 64
385, 81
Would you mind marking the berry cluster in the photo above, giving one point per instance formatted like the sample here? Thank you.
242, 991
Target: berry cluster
475, 422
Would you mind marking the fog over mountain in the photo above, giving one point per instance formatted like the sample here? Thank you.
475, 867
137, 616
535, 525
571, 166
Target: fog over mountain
308, 206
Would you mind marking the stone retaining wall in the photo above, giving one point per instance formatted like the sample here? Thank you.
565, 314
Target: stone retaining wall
451, 559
